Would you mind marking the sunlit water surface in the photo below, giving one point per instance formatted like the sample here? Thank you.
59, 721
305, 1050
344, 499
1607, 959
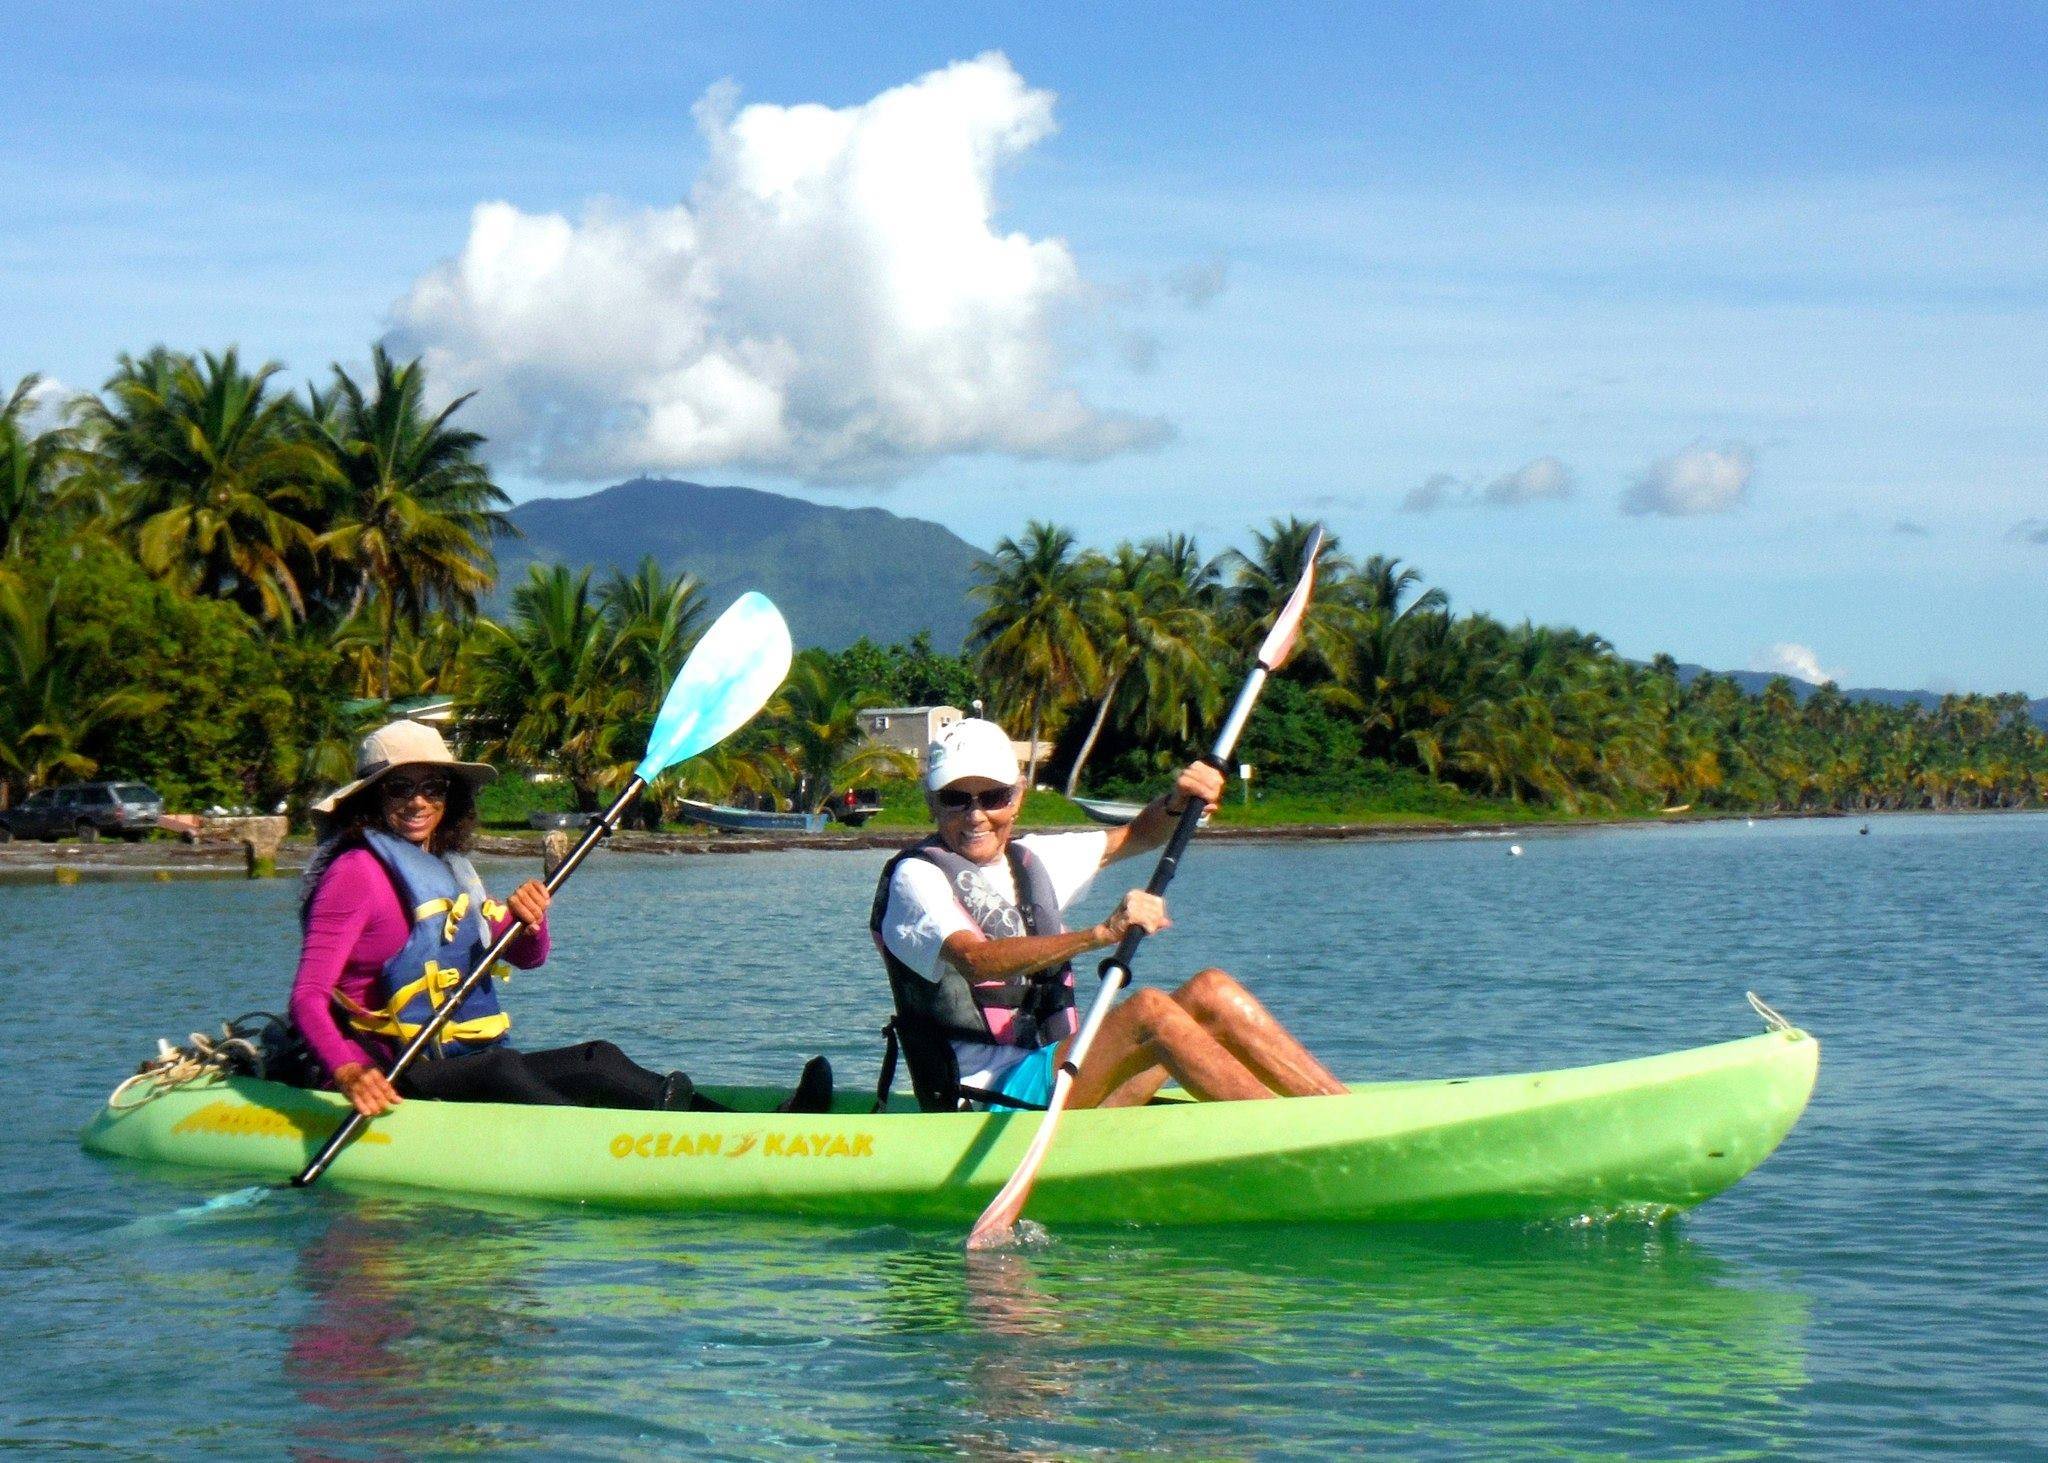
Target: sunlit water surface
1875, 1289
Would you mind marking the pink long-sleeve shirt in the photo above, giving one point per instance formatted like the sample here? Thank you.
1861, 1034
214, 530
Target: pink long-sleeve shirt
354, 925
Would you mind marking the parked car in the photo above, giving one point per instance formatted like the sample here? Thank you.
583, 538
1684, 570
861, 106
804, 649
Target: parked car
854, 806
88, 809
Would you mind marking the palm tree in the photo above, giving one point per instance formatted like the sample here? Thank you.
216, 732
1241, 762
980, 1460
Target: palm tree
816, 718
744, 766
1036, 647
656, 619
1262, 580
1146, 616
33, 480
552, 688
216, 477
414, 511
46, 720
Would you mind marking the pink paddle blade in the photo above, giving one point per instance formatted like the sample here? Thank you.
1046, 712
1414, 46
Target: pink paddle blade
1281, 639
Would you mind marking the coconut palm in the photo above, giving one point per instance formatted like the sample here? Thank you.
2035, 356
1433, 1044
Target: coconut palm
217, 481
1262, 580
815, 720
35, 481
1157, 643
657, 620
551, 689
46, 720
1036, 645
414, 511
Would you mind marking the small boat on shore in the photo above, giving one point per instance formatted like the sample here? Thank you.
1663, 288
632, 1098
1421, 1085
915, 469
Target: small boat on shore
748, 820
1650, 1135
549, 822
1108, 810
1114, 813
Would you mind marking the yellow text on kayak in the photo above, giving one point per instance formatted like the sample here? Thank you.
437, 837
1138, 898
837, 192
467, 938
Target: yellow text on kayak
766, 1145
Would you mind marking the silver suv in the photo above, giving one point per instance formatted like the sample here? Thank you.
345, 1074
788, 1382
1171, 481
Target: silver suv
119, 809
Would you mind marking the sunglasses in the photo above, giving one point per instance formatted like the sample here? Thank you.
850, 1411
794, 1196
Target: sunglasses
955, 800
401, 789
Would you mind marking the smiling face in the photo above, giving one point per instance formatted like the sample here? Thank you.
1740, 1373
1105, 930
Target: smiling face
414, 799
977, 832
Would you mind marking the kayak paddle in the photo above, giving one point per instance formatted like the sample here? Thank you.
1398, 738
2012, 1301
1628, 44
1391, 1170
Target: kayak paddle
730, 674
998, 1221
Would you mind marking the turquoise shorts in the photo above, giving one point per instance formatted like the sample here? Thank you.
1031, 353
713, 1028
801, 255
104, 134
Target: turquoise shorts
1031, 1079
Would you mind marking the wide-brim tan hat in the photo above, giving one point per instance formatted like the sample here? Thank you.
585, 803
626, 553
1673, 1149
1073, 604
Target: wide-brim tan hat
403, 744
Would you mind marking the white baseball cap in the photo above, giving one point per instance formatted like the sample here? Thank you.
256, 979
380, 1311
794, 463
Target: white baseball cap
970, 748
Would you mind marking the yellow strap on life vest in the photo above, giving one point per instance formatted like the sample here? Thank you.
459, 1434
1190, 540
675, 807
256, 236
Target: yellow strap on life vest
495, 910
438, 981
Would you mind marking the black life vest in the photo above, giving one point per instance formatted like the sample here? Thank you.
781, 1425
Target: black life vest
1030, 1010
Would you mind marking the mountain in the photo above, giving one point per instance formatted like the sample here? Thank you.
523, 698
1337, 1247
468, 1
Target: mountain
1752, 682
836, 573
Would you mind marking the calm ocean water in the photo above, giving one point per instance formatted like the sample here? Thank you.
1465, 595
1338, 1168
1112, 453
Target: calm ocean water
1878, 1288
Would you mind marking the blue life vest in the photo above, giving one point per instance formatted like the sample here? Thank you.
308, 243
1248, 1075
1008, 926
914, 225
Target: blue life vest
451, 930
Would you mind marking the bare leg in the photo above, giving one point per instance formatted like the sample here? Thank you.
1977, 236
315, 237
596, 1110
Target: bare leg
1234, 1016
1149, 1038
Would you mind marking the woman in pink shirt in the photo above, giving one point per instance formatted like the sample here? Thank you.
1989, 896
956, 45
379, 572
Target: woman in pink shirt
371, 969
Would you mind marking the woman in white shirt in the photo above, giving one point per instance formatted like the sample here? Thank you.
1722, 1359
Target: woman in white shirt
968, 925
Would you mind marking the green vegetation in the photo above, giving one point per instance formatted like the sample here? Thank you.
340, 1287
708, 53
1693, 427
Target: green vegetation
215, 586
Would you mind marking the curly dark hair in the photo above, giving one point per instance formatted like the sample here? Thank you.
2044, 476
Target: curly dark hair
364, 808
336, 832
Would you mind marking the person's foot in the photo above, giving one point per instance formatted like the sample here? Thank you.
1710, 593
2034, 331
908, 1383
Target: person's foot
813, 1089
676, 1091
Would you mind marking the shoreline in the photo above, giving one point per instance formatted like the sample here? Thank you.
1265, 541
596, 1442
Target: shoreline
167, 860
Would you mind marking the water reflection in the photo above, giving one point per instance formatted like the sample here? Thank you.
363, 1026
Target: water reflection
435, 1328
413, 1308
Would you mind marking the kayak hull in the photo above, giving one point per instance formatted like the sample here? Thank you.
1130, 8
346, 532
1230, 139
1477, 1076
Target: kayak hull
1653, 1134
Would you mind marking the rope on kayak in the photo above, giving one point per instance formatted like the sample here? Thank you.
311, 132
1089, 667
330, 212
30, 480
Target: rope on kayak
1772, 1020
239, 1050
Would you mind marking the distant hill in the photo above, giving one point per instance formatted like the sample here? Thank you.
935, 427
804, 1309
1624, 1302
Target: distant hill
1754, 681
836, 573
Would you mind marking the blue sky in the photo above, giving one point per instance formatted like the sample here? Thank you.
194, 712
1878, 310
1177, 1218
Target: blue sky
1786, 266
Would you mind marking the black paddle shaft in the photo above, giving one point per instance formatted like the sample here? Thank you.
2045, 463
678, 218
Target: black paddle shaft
600, 828
1119, 961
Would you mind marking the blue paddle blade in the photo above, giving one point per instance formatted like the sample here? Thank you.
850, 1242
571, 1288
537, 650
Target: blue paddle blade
735, 668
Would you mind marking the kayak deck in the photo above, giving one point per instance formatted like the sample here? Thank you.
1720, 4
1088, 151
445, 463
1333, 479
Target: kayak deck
1653, 1133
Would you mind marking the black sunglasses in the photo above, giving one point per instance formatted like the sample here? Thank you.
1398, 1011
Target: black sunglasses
401, 789
954, 799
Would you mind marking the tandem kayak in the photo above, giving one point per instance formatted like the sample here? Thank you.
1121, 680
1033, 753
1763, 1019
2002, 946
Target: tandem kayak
1655, 1134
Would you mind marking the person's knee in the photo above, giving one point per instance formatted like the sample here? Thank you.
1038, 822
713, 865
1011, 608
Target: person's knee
603, 1052
1211, 992
1154, 1010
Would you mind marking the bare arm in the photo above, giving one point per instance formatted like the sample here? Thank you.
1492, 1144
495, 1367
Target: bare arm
1151, 828
979, 958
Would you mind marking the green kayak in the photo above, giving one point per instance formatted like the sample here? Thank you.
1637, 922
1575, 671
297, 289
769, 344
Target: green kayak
1654, 1134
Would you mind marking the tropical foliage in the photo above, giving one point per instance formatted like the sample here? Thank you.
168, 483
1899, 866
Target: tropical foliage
214, 585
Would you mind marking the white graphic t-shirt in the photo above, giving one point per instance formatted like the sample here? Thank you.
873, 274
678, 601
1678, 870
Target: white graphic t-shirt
923, 913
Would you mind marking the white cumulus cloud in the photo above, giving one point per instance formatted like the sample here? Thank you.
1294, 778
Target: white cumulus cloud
1789, 659
833, 301
1533, 482
44, 406
1544, 480
1697, 481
